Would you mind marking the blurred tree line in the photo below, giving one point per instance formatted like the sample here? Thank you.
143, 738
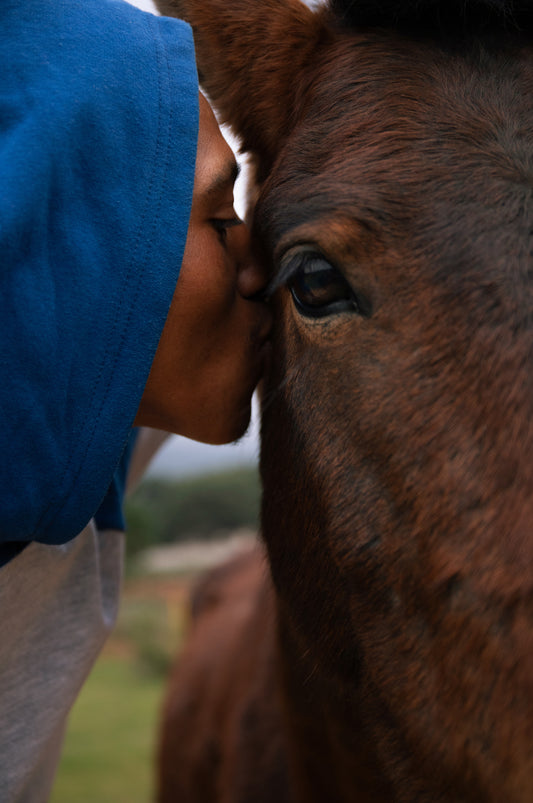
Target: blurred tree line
162, 511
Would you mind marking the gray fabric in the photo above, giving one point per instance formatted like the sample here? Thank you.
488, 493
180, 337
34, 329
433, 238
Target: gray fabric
57, 605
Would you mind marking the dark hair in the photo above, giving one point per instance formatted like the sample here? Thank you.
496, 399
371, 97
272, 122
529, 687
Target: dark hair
437, 15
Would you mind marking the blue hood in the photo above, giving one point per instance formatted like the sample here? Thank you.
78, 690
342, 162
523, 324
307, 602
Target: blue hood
98, 131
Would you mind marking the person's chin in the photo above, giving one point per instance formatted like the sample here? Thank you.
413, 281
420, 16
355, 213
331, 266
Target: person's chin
231, 428
239, 426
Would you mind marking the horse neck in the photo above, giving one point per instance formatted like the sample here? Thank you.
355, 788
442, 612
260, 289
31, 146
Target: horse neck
328, 751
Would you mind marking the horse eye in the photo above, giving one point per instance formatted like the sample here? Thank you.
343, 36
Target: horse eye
319, 289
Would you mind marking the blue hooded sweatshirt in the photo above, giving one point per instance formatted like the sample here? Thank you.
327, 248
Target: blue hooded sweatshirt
98, 131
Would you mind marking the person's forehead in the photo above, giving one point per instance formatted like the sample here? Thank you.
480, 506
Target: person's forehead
216, 168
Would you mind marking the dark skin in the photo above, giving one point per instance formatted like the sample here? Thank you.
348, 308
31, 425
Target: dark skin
211, 352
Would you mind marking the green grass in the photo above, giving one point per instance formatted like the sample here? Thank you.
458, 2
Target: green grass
108, 753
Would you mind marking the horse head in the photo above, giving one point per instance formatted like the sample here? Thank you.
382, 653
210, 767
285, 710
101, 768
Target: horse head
393, 153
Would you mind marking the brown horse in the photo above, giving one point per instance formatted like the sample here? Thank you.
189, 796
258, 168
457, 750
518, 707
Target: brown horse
390, 658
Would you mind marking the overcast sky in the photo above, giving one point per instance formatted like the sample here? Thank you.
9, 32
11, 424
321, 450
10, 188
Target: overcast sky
180, 457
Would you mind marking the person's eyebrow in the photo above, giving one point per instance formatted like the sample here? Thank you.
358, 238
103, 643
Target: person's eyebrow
225, 178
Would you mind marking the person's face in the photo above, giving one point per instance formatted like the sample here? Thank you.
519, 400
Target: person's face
211, 352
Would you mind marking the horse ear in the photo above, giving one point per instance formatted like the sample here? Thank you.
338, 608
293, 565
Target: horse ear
250, 55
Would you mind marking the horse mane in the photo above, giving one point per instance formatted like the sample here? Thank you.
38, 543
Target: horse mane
436, 16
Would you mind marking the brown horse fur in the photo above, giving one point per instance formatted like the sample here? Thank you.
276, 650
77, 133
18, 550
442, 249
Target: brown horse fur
391, 658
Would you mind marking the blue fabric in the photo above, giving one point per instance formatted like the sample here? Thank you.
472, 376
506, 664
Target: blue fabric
98, 130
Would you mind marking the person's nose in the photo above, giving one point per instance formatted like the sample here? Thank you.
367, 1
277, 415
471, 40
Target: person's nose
251, 277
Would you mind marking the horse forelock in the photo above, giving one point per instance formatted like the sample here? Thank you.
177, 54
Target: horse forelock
436, 15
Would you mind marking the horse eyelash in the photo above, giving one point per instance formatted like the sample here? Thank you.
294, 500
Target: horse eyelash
286, 273
275, 284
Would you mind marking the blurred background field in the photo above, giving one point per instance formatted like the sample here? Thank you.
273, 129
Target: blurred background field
176, 529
